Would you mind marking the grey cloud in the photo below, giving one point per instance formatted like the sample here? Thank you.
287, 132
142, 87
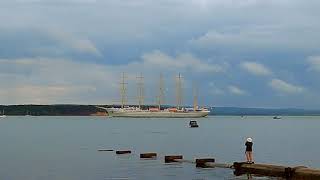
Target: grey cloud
262, 38
44, 42
314, 63
236, 90
47, 80
183, 61
81, 45
285, 87
285, 24
61, 80
128, 28
256, 68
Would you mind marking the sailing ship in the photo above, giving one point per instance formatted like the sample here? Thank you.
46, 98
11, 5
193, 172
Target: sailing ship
156, 112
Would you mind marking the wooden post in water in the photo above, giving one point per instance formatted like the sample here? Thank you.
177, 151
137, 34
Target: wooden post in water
123, 152
172, 158
148, 155
105, 150
202, 162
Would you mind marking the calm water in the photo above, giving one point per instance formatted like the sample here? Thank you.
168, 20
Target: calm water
65, 148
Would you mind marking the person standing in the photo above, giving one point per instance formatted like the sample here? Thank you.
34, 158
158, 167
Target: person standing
249, 155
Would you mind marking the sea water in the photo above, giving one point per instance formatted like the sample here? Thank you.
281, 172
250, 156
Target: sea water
66, 148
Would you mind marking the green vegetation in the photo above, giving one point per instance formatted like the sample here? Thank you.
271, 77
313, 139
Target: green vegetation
50, 110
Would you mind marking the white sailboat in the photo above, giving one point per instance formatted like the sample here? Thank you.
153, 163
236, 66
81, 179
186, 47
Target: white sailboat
28, 113
2, 115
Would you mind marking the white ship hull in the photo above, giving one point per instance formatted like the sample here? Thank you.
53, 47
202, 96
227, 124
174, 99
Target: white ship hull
159, 114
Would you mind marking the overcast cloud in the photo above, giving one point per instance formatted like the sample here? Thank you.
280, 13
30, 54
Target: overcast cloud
241, 53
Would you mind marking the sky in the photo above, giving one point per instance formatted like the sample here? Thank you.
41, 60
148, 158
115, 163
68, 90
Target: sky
244, 53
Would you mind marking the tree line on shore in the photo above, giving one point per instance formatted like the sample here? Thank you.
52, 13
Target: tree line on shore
50, 110
88, 110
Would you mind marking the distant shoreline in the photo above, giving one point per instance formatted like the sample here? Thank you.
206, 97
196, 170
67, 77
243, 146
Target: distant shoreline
92, 110
240, 117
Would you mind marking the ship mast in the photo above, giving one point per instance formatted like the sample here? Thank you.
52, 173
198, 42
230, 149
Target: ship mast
161, 92
195, 97
179, 91
140, 86
123, 90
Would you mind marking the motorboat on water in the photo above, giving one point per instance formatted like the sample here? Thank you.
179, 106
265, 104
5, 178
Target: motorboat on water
193, 124
276, 117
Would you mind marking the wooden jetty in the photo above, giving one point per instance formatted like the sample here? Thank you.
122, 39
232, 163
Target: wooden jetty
305, 173
241, 168
270, 170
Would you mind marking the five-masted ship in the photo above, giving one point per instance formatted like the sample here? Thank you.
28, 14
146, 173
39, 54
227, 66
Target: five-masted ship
156, 112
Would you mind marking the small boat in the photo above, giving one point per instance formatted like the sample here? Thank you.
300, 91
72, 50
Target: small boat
3, 115
193, 124
276, 117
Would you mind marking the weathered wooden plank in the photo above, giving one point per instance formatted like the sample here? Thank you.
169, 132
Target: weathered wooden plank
218, 165
304, 173
240, 168
261, 169
148, 155
172, 158
105, 150
184, 160
123, 152
202, 162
